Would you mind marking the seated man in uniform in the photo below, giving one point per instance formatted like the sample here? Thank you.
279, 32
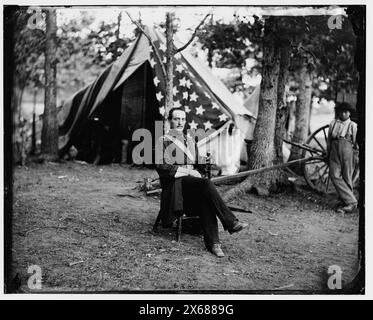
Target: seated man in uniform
184, 190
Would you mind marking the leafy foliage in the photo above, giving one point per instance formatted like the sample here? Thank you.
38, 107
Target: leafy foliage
28, 52
82, 51
327, 53
229, 45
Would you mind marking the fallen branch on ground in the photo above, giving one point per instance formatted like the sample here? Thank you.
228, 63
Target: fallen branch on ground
285, 287
238, 208
254, 171
242, 174
74, 263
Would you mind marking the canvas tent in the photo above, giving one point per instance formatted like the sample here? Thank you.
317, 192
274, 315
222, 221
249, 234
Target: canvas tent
251, 103
130, 94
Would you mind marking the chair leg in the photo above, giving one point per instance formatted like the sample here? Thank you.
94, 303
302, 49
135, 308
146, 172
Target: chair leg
178, 228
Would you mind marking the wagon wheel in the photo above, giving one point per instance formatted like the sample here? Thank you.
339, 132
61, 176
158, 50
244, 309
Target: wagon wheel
316, 171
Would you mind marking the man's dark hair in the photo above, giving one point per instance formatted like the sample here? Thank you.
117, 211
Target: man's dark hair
343, 106
172, 111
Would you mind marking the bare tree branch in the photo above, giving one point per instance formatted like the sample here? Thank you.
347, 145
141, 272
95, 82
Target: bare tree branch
155, 50
194, 34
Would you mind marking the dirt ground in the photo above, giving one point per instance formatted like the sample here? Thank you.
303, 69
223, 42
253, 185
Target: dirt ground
89, 228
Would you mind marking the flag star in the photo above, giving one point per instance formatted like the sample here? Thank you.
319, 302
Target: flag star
179, 68
198, 84
193, 97
185, 95
164, 59
188, 83
182, 82
208, 125
175, 91
159, 96
193, 125
162, 47
177, 104
223, 117
187, 109
156, 81
162, 110
207, 95
200, 110
152, 62
215, 106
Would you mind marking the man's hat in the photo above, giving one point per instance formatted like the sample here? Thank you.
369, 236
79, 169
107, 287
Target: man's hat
344, 106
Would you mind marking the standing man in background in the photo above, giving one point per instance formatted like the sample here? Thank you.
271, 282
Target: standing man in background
340, 152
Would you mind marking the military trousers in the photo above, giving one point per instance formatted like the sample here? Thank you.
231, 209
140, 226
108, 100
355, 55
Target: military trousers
200, 198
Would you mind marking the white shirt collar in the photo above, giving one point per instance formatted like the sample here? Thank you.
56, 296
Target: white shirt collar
345, 121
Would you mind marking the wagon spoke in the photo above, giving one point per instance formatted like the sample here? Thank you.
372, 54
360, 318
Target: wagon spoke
312, 154
314, 161
321, 146
326, 171
316, 150
324, 176
325, 136
318, 170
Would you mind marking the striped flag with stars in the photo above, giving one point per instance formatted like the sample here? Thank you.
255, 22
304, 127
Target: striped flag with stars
202, 109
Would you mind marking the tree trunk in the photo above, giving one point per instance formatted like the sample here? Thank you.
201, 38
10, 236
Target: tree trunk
282, 113
19, 100
33, 134
309, 117
261, 151
262, 147
209, 57
170, 63
17, 135
302, 114
210, 52
49, 135
117, 31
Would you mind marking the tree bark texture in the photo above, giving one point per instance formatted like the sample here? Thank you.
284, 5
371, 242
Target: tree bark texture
283, 108
302, 112
169, 63
49, 137
33, 133
261, 150
19, 155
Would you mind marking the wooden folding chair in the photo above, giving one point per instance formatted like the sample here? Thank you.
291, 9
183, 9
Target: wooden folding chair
179, 224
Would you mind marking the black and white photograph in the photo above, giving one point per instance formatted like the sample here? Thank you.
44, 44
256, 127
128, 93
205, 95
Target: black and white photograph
184, 149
